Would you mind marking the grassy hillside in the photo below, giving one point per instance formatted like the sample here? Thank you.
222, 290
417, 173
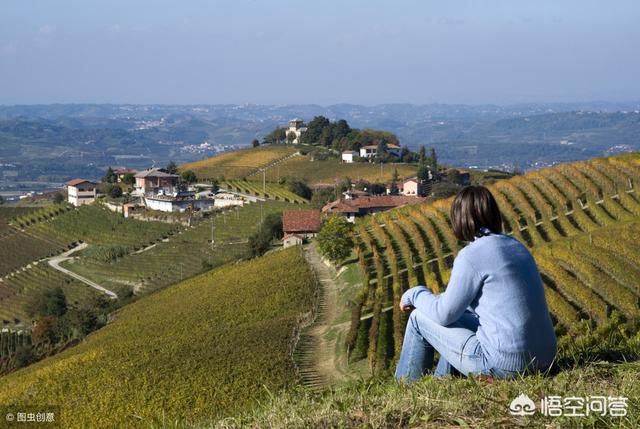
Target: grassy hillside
458, 402
267, 190
279, 163
34, 234
327, 171
204, 348
581, 222
184, 254
240, 163
17, 290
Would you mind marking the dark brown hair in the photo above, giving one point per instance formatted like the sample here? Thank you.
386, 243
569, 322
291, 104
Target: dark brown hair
473, 208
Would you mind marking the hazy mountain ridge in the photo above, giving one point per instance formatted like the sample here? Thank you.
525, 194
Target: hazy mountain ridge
83, 139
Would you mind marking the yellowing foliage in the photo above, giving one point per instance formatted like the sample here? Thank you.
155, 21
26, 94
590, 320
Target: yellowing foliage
580, 221
202, 348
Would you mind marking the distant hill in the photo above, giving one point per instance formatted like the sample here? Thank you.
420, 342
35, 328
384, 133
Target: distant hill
53, 143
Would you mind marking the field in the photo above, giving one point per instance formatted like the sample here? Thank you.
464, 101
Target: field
48, 231
184, 254
240, 163
327, 171
96, 225
266, 190
581, 222
207, 347
33, 234
17, 289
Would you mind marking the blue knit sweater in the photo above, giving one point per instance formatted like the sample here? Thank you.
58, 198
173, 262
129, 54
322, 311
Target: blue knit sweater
496, 277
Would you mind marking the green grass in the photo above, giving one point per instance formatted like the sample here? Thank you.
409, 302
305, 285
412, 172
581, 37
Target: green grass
431, 403
205, 348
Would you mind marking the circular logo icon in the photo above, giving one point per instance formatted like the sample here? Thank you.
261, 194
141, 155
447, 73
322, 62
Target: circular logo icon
10, 417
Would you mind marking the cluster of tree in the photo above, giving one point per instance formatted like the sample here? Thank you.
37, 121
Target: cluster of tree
270, 229
298, 187
334, 239
339, 136
57, 323
427, 166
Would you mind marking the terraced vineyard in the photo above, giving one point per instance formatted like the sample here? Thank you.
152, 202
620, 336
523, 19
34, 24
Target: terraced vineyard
326, 171
269, 190
17, 289
184, 254
581, 222
240, 163
215, 345
51, 230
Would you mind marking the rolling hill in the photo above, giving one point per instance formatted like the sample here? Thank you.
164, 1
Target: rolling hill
205, 348
282, 161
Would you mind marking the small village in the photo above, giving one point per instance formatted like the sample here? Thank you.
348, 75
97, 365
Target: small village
164, 190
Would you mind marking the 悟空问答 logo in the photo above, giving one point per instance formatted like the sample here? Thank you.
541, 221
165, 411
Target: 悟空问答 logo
522, 406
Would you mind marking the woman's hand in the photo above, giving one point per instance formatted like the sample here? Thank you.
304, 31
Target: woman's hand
406, 308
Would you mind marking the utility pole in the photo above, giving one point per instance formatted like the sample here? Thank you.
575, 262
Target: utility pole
264, 181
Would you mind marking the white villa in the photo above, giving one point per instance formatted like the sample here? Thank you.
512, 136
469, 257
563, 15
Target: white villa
369, 151
80, 192
295, 127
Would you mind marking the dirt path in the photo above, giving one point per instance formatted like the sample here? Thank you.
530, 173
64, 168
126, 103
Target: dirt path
55, 262
320, 364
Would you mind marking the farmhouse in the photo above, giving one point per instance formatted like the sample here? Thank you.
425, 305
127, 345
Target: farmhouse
154, 180
299, 225
81, 191
348, 155
295, 127
177, 202
361, 206
415, 187
370, 151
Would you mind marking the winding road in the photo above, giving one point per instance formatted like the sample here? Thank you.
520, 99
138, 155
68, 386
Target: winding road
55, 262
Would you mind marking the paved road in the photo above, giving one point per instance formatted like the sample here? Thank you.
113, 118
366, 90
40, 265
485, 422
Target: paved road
55, 262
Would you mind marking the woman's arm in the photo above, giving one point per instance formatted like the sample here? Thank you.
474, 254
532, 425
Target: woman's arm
446, 308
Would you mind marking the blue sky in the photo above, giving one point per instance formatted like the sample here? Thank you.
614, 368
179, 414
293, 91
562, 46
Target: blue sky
330, 51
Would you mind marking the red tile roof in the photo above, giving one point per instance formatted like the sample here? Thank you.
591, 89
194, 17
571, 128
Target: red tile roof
362, 204
76, 182
301, 221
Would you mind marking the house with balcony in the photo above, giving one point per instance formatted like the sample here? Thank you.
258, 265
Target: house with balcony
154, 180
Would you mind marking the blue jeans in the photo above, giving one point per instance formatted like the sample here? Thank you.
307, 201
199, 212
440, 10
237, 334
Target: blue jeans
459, 348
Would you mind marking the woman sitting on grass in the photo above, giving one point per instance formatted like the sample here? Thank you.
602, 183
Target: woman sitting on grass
492, 319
